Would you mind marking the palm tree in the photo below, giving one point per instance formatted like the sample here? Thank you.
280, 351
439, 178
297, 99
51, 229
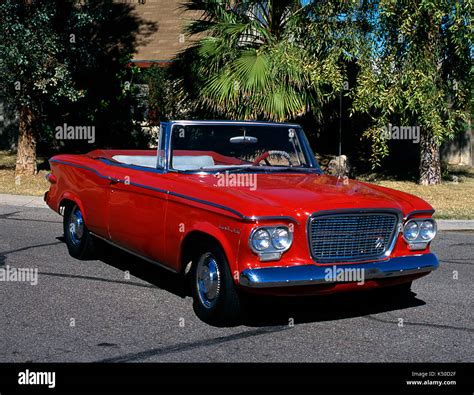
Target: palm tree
257, 60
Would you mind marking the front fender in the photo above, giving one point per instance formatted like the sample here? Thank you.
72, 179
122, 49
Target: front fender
229, 241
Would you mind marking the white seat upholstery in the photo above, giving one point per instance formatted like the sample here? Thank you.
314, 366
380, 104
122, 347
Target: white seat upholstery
183, 162
137, 160
188, 162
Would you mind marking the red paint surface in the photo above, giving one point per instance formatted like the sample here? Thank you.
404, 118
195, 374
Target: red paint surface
154, 224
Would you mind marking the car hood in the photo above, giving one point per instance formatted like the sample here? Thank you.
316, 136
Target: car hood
300, 194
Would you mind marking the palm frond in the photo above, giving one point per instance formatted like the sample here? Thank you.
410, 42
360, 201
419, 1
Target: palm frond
262, 59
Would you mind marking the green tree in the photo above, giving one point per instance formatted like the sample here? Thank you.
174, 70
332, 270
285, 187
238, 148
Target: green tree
65, 60
417, 72
273, 60
33, 67
162, 102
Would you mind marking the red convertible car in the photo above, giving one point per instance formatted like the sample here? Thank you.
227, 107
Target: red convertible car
238, 208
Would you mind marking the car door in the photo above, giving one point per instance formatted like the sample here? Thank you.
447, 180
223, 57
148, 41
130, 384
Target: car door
137, 209
137, 206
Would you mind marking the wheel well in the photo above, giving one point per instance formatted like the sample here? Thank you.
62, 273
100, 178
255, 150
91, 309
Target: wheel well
193, 244
65, 203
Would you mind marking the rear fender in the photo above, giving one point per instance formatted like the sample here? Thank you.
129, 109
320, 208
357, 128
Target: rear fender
75, 199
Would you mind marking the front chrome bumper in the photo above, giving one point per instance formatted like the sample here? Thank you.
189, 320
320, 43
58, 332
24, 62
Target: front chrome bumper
286, 276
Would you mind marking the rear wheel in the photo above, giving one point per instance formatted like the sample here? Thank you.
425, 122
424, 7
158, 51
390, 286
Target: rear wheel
79, 241
215, 297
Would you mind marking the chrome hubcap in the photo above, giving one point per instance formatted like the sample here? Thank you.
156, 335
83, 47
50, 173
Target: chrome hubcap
208, 280
76, 226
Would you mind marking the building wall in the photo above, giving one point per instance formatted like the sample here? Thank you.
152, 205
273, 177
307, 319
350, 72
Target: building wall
169, 39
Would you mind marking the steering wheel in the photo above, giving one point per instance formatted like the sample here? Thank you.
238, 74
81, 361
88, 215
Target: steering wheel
266, 154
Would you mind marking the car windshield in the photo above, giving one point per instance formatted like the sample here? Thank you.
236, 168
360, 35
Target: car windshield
219, 147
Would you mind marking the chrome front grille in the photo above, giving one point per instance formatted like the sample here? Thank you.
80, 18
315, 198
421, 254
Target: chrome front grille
351, 236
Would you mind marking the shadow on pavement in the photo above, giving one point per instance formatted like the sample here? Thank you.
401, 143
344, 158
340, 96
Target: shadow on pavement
264, 311
271, 311
142, 269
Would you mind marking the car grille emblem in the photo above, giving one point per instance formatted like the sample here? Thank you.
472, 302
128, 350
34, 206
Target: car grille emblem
379, 243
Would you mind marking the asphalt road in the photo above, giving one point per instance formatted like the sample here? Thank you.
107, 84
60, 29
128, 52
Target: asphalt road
89, 311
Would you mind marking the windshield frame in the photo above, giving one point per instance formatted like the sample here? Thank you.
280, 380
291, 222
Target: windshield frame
307, 152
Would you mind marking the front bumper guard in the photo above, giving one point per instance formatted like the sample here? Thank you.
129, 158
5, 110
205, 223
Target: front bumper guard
311, 274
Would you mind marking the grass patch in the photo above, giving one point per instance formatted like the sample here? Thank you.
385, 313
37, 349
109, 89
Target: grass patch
451, 199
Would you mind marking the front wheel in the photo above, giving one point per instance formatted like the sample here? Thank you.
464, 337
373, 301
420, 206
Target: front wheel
78, 238
215, 299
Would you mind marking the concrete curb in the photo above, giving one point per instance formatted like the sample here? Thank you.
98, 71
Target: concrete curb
23, 201
38, 202
455, 224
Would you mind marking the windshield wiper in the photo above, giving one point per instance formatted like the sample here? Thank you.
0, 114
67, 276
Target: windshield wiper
254, 169
270, 169
296, 169
236, 169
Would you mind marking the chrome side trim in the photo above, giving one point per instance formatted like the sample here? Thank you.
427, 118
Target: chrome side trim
224, 122
205, 202
135, 254
225, 208
100, 175
287, 276
111, 179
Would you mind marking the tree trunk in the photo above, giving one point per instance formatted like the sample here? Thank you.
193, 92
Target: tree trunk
430, 163
26, 154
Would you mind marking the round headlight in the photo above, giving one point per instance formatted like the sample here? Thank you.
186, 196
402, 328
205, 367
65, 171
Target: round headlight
427, 230
410, 232
280, 238
261, 240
